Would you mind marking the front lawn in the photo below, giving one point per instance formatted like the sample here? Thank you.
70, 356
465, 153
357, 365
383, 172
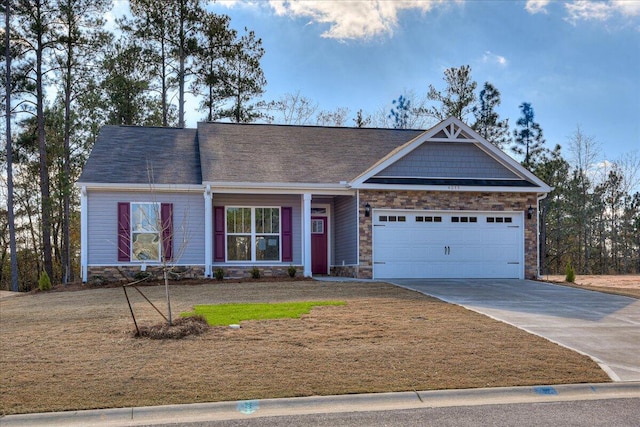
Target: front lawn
77, 350
227, 314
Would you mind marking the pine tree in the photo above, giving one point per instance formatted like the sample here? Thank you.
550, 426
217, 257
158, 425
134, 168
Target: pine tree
529, 141
487, 122
458, 98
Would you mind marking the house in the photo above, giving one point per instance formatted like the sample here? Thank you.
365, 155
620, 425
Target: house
366, 203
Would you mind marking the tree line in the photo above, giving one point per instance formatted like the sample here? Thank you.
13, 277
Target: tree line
67, 74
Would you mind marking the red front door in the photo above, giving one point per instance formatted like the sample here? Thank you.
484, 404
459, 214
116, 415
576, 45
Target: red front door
319, 264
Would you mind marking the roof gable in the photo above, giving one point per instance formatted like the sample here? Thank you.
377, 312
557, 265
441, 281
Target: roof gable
449, 154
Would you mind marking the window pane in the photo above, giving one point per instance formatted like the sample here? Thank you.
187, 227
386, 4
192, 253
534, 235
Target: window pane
267, 248
239, 248
238, 220
146, 247
144, 217
275, 220
260, 220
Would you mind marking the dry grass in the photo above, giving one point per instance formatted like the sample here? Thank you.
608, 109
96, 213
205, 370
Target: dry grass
180, 328
627, 285
76, 350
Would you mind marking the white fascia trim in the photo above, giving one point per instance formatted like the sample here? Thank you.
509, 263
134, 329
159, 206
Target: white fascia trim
451, 188
279, 188
141, 187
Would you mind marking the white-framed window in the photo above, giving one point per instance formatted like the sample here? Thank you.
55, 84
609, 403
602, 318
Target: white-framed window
145, 232
253, 234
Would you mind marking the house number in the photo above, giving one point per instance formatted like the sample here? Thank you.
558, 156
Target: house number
453, 187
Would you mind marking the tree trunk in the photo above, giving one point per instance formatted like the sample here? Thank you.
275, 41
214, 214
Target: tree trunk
44, 168
66, 168
10, 212
181, 79
163, 68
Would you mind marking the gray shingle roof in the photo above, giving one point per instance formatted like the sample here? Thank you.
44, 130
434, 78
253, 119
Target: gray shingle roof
262, 153
126, 154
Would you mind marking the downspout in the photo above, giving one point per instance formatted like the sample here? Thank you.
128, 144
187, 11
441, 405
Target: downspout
84, 238
208, 231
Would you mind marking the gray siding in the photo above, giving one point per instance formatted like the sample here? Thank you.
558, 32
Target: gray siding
266, 200
448, 160
346, 231
188, 225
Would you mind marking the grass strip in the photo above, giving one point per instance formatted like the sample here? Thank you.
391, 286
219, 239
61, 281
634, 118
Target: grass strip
227, 314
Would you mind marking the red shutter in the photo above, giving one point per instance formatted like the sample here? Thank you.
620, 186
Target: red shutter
218, 234
124, 232
287, 242
166, 219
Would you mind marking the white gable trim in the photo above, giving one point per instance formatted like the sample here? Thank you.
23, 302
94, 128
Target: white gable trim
453, 128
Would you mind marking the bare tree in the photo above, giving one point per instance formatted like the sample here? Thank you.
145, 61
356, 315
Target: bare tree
292, 109
584, 154
337, 117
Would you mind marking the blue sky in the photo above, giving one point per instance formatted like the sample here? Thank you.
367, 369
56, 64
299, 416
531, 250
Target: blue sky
577, 62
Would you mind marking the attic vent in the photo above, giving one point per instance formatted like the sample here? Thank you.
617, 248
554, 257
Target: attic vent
452, 132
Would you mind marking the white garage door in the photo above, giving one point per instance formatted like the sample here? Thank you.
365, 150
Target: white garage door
437, 244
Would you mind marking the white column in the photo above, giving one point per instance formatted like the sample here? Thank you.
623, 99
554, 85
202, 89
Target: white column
208, 231
306, 233
84, 238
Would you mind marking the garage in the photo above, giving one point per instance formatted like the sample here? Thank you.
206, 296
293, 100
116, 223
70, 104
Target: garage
447, 244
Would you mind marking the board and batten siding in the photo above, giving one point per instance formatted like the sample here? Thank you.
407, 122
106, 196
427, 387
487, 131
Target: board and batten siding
269, 200
346, 231
102, 224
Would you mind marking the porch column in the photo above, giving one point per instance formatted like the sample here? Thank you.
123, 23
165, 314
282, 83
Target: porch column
208, 231
306, 235
84, 239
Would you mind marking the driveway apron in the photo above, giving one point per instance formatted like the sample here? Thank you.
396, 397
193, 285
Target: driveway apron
603, 326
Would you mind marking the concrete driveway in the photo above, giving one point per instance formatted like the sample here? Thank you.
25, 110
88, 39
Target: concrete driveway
603, 326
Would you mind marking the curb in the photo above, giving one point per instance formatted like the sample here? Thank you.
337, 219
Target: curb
218, 411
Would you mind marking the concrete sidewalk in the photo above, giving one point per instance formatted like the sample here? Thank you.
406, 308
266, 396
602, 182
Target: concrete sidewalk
202, 412
603, 326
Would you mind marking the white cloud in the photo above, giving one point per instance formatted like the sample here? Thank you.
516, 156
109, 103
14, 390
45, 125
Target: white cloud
627, 7
586, 10
537, 6
491, 58
589, 10
352, 19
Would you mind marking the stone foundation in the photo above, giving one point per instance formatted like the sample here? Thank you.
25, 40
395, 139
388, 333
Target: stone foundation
127, 273
231, 272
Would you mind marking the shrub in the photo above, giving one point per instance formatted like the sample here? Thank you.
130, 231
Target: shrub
141, 275
255, 273
292, 271
97, 280
570, 273
218, 274
44, 282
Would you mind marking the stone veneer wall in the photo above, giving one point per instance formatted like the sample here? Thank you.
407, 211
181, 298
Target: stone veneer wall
126, 273
462, 201
344, 270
